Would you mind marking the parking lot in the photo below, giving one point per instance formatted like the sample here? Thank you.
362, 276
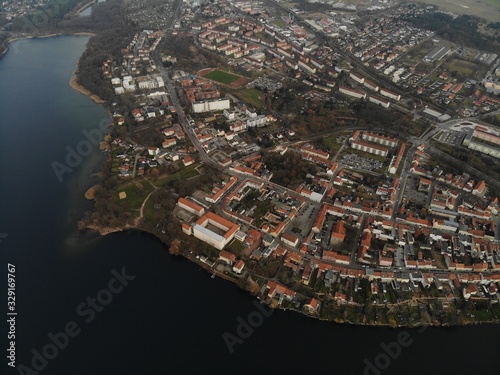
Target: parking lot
451, 137
411, 193
359, 162
264, 83
306, 217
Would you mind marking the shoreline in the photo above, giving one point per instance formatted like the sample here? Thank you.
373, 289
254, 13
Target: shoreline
16, 38
82, 90
103, 231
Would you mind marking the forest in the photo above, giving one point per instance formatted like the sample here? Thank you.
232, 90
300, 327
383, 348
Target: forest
189, 57
45, 19
462, 30
290, 169
114, 32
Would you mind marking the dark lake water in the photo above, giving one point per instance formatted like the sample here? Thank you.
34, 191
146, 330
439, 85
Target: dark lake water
171, 317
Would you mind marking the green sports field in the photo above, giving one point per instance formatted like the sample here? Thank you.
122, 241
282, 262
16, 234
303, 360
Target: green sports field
222, 77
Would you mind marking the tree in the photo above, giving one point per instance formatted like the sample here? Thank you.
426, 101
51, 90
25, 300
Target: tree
154, 172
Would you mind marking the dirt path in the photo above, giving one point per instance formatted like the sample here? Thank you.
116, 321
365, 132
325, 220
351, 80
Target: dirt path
141, 211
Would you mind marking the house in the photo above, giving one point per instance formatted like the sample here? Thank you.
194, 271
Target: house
238, 267
277, 290
153, 151
331, 170
480, 188
385, 261
186, 228
311, 306
191, 206
227, 257
338, 233
137, 113
188, 160
169, 142
470, 290
254, 236
289, 239
169, 132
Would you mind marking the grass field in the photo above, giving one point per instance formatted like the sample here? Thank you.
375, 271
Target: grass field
135, 194
149, 210
252, 96
236, 247
466, 68
331, 143
279, 23
183, 174
222, 77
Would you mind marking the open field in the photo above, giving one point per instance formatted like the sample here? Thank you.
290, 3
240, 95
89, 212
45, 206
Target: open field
236, 247
487, 9
332, 144
183, 174
136, 193
222, 77
279, 23
466, 68
250, 95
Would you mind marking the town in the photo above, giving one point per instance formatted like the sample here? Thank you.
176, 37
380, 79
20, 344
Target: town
337, 162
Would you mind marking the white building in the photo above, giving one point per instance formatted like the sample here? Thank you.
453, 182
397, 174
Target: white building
357, 77
238, 126
238, 267
354, 93
128, 84
260, 120
289, 239
371, 85
250, 113
390, 95
153, 151
227, 257
150, 82
211, 105
307, 67
230, 115
375, 99
380, 139
223, 232
372, 149
190, 206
